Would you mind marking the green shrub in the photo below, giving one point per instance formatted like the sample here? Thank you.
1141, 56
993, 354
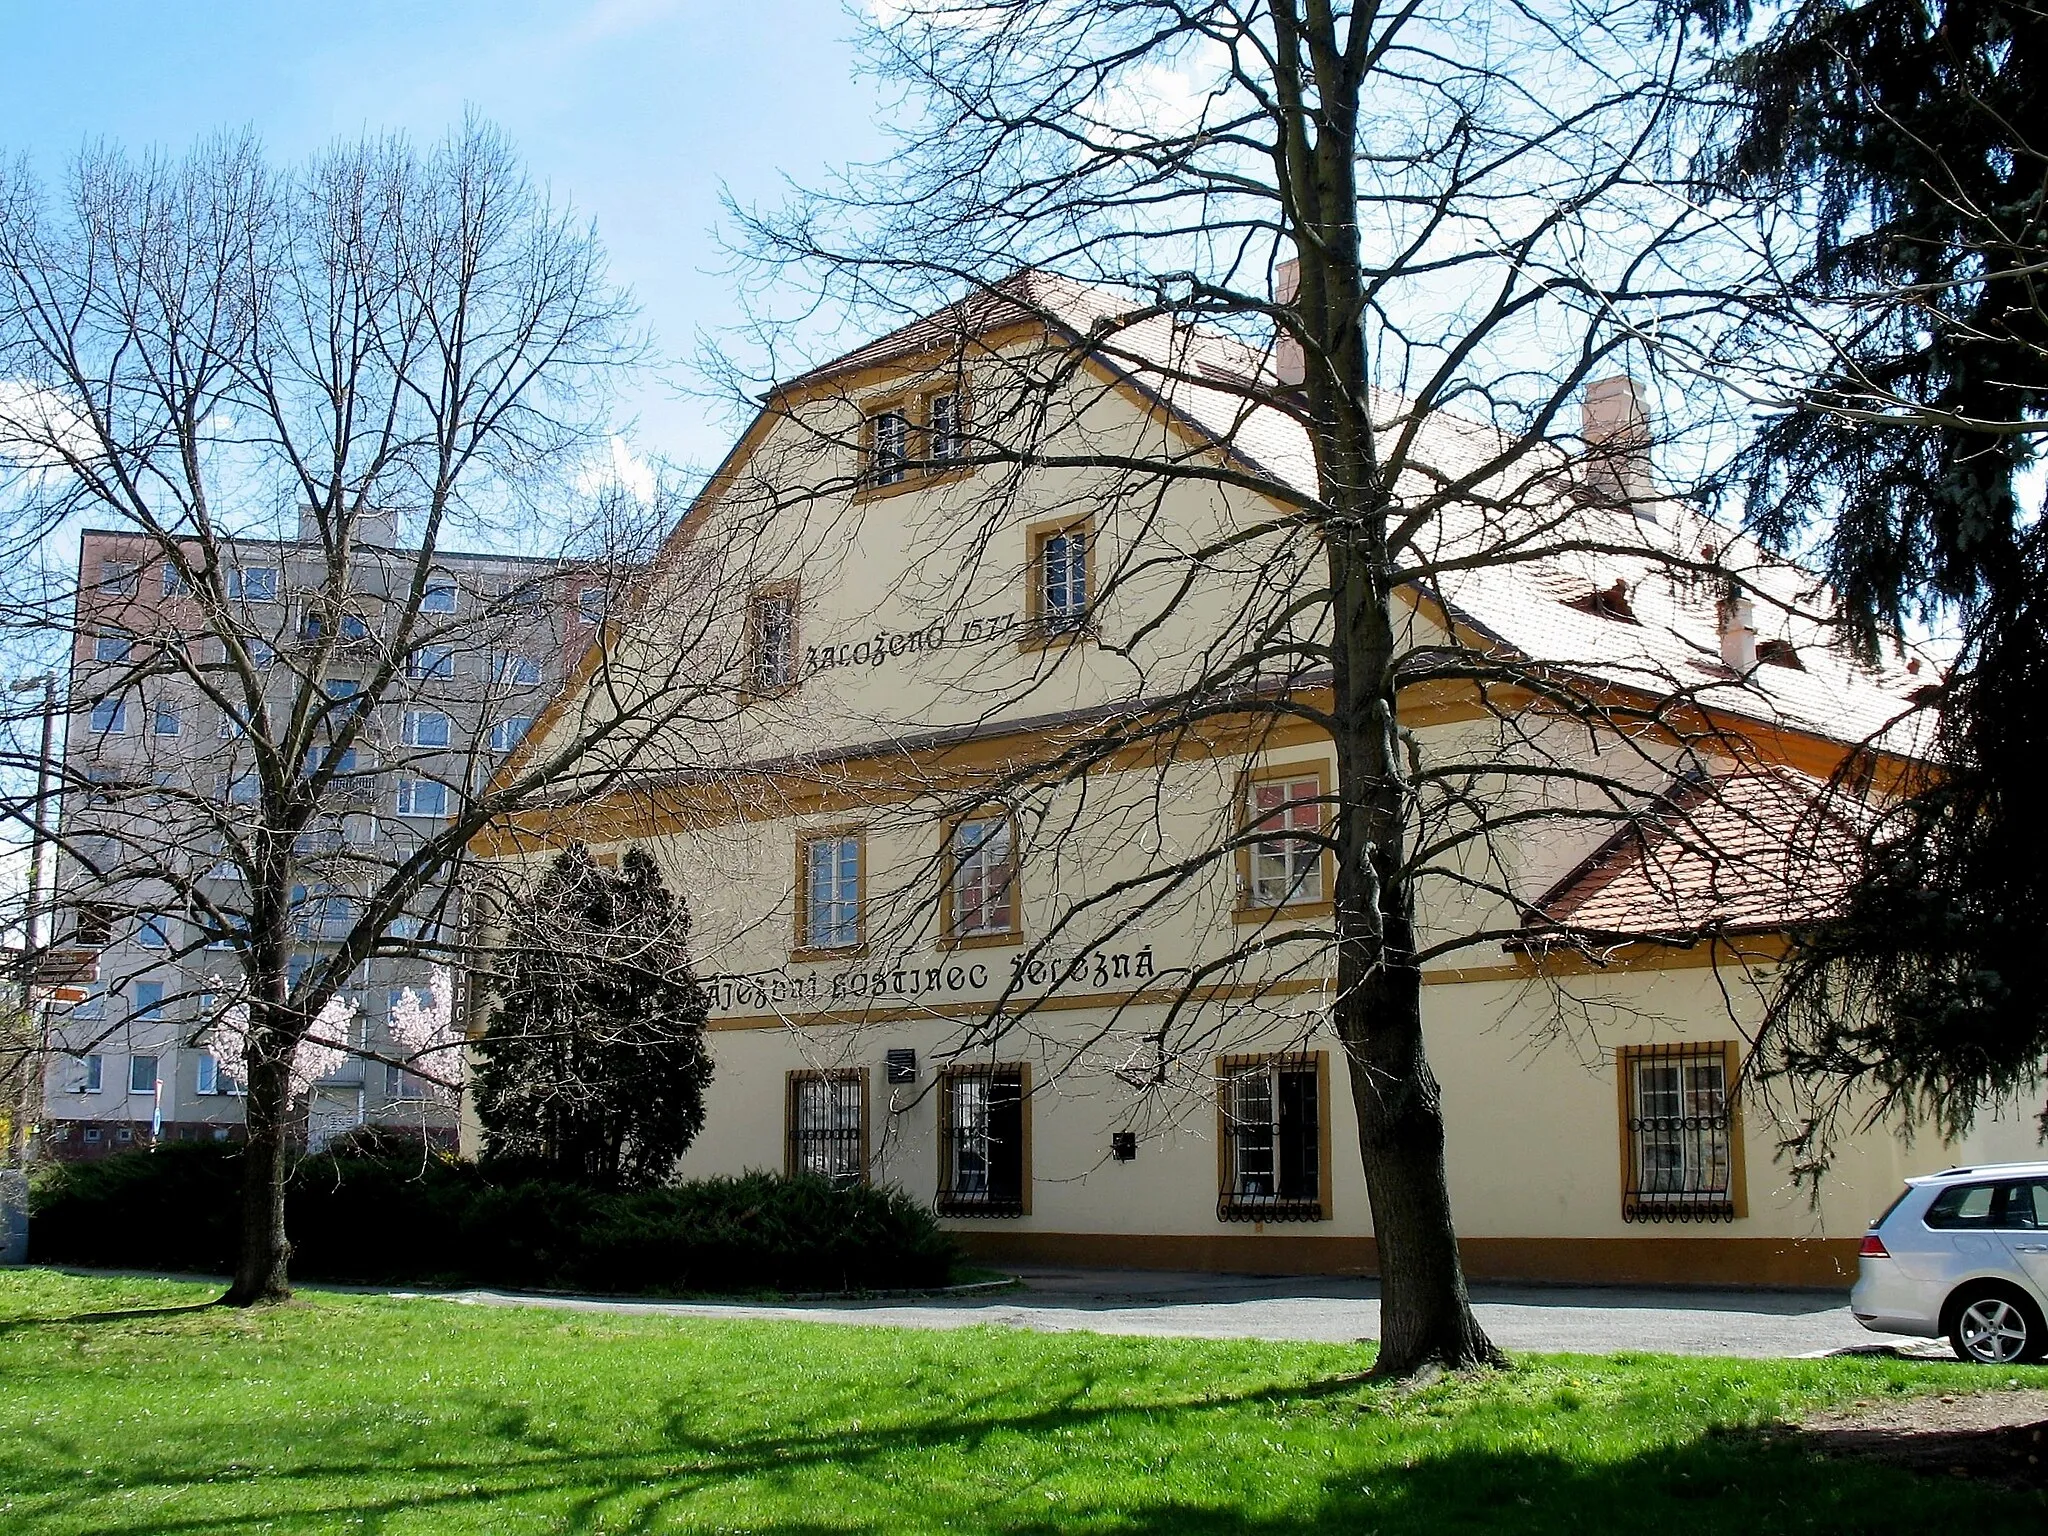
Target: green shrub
405, 1218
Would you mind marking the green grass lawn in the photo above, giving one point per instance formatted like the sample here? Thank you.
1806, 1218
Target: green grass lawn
349, 1413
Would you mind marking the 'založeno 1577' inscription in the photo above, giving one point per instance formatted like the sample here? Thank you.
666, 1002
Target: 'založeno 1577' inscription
886, 645
901, 982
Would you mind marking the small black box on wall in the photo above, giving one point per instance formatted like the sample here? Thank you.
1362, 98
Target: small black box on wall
1123, 1145
900, 1066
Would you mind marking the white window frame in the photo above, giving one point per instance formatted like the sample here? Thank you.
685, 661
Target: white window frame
503, 735
983, 856
408, 792
253, 583
832, 890
410, 734
431, 662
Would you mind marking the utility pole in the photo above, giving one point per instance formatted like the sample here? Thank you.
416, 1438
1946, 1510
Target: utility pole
28, 1093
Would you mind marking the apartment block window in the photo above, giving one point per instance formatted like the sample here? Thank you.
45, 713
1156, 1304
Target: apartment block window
426, 728
1272, 1147
109, 717
146, 1001
1283, 864
154, 932
120, 578
983, 1152
517, 671
942, 428
92, 926
888, 446
174, 583
828, 1126
1681, 1138
982, 894
1060, 579
207, 1078
142, 1074
431, 661
422, 797
112, 646
509, 732
91, 1077
262, 654
252, 584
438, 597
526, 594
591, 603
830, 891
165, 719
771, 639
401, 1084
240, 789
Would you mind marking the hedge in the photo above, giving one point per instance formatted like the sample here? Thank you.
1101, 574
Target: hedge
409, 1219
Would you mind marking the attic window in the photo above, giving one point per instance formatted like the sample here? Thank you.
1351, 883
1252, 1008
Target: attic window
1779, 653
1606, 603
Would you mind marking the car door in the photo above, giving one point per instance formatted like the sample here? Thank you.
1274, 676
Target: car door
2022, 1208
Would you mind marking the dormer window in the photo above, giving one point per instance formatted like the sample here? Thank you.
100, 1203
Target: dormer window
1779, 653
1607, 603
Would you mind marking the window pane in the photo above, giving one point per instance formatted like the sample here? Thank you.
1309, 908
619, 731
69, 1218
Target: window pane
1286, 868
1962, 1206
983, 878
1063, 570
142, 1074
889, 432
832, 895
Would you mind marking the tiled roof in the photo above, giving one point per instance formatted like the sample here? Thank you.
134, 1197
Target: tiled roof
1220, 388
1763, 850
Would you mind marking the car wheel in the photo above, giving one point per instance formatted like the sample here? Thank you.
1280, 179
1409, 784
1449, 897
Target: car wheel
1995, 1327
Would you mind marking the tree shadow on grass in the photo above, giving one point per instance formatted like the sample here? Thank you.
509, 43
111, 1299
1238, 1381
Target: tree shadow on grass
116, 1315
881, 1478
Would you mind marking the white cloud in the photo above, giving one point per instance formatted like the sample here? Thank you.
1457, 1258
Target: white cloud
624, 470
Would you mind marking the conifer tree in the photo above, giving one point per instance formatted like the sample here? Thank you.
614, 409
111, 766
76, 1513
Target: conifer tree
594, 1066
1906, 138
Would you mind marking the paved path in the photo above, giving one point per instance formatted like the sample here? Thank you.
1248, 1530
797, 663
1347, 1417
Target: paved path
1595, 1320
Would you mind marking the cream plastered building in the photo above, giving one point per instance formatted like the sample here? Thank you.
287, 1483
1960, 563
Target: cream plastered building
1007, 889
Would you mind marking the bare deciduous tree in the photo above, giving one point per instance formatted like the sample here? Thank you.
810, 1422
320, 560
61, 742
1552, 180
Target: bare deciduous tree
1363, 263
326, 437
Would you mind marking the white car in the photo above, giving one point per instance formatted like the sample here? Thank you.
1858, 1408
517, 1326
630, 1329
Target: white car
1962, 1254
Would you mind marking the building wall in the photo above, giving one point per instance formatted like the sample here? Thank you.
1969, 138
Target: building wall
200, 754
921, 681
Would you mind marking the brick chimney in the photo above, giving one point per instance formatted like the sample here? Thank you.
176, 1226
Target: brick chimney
1288, 357
1616, 431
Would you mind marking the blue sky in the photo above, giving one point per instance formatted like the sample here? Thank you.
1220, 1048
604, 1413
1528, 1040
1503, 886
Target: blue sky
635, 110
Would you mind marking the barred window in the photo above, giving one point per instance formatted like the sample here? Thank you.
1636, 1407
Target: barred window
982, 896
1285, 861
828, 1123
982, 1153
1681, 1142
1272, 1138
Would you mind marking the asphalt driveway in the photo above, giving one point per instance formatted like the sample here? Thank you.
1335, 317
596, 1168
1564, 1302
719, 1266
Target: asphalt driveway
1594, 1320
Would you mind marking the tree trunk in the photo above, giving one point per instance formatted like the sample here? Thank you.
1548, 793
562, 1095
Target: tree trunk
1425, 1313
260, 1269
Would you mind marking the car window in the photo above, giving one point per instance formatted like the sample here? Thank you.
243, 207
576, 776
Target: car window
1962, 1205
2023, 1207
